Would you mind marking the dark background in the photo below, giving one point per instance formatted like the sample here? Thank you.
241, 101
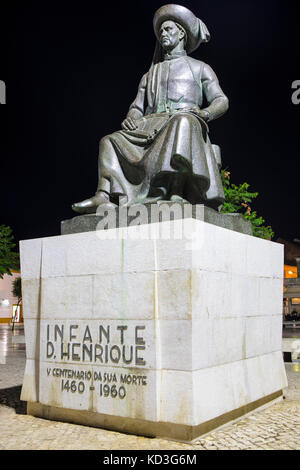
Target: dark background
72, 72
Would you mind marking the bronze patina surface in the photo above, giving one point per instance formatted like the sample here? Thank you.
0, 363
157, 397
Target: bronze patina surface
163, 151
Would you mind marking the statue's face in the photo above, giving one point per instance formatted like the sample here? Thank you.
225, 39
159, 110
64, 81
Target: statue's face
170, 35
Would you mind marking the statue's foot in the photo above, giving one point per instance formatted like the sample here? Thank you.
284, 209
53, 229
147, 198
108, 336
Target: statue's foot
89, 206
176, 198
154, 200
150, 200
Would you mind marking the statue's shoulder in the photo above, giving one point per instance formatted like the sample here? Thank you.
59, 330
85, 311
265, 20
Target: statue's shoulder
196, 65
201, 69
195, 62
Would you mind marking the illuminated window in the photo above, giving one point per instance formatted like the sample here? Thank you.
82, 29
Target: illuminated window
290, 271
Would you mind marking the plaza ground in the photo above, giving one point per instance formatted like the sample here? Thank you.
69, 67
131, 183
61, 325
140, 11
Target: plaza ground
275, 427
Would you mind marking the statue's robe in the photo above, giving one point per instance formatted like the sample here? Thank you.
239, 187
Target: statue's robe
171, 141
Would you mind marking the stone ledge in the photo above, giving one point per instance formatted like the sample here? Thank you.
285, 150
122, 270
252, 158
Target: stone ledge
145, 428
89, 222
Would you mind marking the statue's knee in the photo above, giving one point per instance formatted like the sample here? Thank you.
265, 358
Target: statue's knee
185, 119
104, 142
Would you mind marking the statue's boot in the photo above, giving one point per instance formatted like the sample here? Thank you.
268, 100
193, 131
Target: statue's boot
89, 206
150, 200
176, 198
154, 200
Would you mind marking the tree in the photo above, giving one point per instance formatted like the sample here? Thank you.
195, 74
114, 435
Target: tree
17, 289
17, 292
9, 259
238, 200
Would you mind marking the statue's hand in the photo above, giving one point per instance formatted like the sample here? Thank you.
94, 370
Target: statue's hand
203, 114
129, 124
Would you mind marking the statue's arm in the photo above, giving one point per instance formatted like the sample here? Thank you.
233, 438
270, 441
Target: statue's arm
217, 100
136, 109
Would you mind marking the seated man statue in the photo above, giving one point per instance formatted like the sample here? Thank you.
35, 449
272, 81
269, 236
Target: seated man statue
163, 151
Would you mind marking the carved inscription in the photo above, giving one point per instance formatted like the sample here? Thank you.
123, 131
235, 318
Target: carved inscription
108, 384
65, 344
111, 346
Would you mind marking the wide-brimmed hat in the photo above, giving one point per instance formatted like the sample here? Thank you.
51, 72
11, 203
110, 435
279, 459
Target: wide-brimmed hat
195, 29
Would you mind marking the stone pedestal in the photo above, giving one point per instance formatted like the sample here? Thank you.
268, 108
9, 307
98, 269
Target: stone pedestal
161, 211
170, 329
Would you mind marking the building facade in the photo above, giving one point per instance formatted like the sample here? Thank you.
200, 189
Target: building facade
8, 302
291, 289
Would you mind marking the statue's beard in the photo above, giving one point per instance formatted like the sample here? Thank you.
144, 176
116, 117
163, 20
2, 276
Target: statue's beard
166, 45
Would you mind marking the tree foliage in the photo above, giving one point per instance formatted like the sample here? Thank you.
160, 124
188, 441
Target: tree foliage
17, 289
9, 259
238, 200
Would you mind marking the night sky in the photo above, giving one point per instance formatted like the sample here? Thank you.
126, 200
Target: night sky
71, 74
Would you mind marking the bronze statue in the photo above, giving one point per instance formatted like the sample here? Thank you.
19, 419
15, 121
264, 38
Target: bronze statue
163, 151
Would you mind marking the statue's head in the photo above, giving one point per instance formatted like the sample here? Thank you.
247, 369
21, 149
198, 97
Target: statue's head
171, 34
176, 23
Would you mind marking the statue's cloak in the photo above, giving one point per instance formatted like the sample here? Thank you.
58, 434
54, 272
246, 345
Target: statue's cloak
170, 139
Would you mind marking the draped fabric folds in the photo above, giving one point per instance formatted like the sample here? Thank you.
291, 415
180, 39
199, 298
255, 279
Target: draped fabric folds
170, 151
